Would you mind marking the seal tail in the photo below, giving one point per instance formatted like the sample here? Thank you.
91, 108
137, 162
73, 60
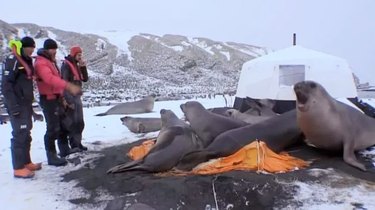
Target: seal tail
192, 159
129, 166
102, 114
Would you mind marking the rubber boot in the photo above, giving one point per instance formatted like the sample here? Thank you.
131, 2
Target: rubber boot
65, 150
53, 160
34, 166
23, 173
82, 147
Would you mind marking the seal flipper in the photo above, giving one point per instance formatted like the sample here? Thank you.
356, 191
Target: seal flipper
102, 114
349, 156
129, 166
168, 136
192, 159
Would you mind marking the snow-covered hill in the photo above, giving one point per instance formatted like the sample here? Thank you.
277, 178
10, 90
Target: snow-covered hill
142, 64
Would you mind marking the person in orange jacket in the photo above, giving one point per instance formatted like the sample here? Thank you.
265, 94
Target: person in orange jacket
51, 88
17, 88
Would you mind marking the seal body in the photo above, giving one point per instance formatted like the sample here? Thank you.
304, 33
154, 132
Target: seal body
141, 125
248, 118
332, 125
206, 124
136, 107
278, 132
174, 141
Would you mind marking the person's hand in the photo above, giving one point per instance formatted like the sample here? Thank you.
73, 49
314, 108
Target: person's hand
73, 89
82, 62
64, 103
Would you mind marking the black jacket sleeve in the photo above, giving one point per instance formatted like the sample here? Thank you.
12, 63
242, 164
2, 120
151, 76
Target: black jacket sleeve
67, 75
9, 76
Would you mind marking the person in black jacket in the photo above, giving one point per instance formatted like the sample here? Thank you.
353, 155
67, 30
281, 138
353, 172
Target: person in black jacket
74, 70
17, 89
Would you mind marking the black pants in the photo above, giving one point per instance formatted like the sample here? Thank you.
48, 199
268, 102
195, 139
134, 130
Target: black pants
75, 122
21, 141
53, 112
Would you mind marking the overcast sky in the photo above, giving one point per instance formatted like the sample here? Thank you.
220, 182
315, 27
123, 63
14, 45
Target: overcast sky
344, 28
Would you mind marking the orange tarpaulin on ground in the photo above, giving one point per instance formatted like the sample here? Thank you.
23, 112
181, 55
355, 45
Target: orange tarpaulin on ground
140, 151
254, 156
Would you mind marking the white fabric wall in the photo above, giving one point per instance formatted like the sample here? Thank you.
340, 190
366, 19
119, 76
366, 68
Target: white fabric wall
259, 77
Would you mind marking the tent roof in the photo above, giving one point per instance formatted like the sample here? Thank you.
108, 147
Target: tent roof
265, 76
295, 52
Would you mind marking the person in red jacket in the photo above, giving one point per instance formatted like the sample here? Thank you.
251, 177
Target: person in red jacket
51, 88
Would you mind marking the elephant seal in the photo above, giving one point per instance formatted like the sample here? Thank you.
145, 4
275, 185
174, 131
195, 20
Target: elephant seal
278, 133
260, 107
141, 125
174, 140
141, 106
248, 118
205, 124
219, 110
332, 125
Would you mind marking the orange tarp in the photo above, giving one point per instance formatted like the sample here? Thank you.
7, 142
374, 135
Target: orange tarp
254, 156
140, 151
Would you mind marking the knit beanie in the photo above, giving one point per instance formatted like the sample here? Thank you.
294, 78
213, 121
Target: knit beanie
50, 44
27, 42
75, 50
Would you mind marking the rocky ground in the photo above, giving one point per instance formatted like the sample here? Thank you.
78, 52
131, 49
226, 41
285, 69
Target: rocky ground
233, 190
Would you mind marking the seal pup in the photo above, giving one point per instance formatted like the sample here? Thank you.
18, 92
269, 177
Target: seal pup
205, 124
174, 140
141, 125
332, 125
141, 106
248, 118
278, 132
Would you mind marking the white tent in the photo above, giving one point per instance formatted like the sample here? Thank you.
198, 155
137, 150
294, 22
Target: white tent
272, 76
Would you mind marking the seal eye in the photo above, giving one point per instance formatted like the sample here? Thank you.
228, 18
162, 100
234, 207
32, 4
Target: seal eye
312, 85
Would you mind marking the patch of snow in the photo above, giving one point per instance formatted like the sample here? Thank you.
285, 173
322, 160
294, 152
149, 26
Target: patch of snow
187, 44
119, 39
201, 44
369, 153
333, 191
22, 33
219, 47
100, 45
227, 54
253, 51
177, 48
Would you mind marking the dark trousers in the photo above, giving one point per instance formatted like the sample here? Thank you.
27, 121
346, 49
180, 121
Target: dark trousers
77, 124
21, 141
53, 112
